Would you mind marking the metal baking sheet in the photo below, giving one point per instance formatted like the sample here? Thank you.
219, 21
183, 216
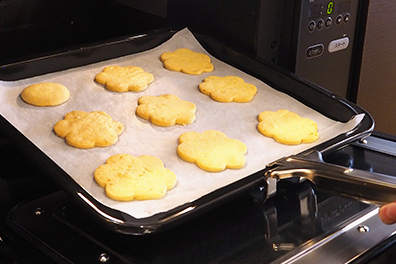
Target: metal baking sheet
236, 120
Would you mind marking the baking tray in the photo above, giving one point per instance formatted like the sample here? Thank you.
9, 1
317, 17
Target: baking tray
322, 102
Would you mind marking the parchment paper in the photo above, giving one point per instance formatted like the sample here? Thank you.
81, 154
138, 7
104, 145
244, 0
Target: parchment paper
236, 120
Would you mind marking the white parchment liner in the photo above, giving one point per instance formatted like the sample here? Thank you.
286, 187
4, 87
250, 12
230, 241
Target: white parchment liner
236, 120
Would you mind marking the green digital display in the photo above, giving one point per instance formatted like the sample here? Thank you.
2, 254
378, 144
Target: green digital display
317, 10
330, 7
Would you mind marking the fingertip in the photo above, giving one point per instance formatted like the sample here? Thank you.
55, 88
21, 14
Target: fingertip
387, 213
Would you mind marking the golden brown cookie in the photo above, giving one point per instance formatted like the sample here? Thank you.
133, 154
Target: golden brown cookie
228, 89
123, 79
88, 129
187, 61
45, 94
287, 127
126, 178
166, 110
212, 150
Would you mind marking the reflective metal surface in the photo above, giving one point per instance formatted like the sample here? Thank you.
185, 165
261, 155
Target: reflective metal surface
366, 186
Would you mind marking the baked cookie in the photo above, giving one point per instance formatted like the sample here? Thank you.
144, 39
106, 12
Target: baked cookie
187, 61
123, 79
126, 178
228, 89
45, 94
287, 127
166, 110
212, 150
87, 130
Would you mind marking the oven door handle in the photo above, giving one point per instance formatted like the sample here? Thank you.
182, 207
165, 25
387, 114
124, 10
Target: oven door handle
367, 187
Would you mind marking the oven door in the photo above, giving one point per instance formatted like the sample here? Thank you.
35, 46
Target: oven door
40, 223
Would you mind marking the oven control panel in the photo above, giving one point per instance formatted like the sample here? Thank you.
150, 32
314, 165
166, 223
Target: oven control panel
324, 43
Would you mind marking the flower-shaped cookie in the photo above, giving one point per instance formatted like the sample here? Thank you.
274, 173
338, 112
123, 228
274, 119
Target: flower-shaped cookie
87, 130
287, 127
228, 89
126, 178
123, 79
166, 110
212, 150
187, 61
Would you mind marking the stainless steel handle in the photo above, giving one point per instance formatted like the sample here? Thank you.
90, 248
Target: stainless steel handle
368, 187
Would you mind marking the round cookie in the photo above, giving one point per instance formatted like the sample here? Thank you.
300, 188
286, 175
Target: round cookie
45, 94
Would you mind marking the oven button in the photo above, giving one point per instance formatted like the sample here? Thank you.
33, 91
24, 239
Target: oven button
339, 20
347, 17
320, 24
328, 22
314, 51
311, 26
338, 44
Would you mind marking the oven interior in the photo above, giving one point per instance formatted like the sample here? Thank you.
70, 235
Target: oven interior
42, 27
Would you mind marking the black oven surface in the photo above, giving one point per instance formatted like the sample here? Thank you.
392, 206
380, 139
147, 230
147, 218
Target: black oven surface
37, 27
41, 223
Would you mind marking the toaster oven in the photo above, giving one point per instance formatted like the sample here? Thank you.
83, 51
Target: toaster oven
91, 36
